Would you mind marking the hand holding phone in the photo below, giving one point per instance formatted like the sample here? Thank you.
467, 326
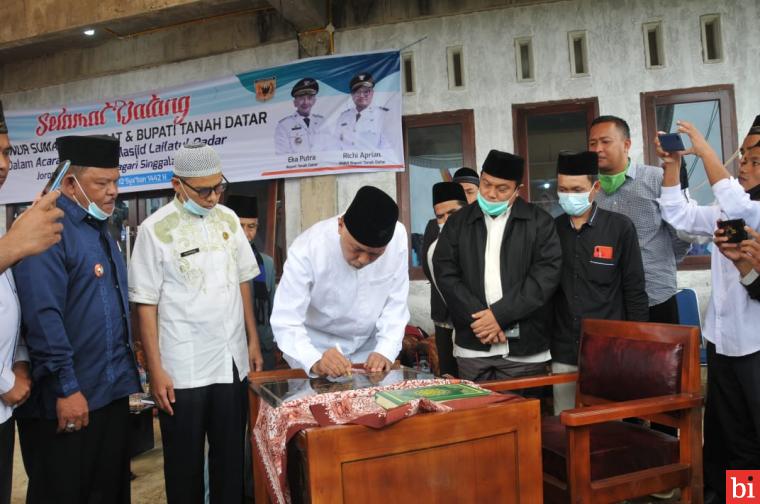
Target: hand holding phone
671, 142
734, 230
57, 176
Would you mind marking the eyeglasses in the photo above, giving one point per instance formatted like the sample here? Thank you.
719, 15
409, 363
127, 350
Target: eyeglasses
205, 192
251, 226
363, 91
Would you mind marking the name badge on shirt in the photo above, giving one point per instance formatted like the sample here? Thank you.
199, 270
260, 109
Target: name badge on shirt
190, 252
602, 252
512, 332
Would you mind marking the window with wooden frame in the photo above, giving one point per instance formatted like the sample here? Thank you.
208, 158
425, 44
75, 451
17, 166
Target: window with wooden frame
455, 59
712, 38
541, 131
654, 52
578, 50
524, 59
435, 146
712, 110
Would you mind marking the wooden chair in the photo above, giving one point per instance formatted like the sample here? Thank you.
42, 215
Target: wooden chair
626, 369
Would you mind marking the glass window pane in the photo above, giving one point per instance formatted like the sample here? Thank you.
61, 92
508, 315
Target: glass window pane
548, 134
435, 153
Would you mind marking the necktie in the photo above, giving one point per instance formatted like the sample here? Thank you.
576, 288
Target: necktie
306, 120
358, 115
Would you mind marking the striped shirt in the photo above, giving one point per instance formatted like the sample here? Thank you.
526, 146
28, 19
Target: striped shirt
660, 248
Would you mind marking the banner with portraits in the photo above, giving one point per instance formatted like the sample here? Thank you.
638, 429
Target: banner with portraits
328, 115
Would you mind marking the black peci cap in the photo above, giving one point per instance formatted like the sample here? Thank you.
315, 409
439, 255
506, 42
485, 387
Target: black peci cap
465, 174
3, 124
578, 163
371, 217
504, 165
448, 191
244, 206
96, 151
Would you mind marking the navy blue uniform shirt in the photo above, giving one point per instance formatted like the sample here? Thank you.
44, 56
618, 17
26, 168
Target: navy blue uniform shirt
76, 313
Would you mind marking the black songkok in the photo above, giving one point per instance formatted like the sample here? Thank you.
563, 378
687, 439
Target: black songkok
504, 165
244, 206
96, 151
448, 191
371, 217
580, 163
3, 124
467, 175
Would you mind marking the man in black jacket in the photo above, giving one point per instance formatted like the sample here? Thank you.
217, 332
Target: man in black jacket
448, 198
497, 264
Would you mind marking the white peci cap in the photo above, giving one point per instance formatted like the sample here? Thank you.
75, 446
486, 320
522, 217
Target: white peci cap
196, 160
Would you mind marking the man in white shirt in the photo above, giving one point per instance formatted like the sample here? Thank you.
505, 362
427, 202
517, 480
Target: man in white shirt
302, 131
190, 275
343, 294
362, 127
732, 409
36, 230
497, 264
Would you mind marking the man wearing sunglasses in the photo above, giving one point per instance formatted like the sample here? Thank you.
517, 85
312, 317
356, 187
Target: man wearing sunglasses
190, 278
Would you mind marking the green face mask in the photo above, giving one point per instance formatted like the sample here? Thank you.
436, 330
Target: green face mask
492, 208
611, 183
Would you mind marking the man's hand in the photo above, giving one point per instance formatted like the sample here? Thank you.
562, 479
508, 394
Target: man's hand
485, 324
699, 145
37, 229
255, 359
732, 251
332, 364
670, 160
377, 363
162, 389
72, 410
750, 249
22, 386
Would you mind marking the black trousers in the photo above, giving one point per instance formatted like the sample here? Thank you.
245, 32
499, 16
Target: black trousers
665, 312
445, 346
732, 416
88, 466
7, 440
218, 412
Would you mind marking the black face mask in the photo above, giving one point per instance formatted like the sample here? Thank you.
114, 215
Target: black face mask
754, 193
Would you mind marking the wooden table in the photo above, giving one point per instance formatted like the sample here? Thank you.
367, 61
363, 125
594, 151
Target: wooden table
488, 454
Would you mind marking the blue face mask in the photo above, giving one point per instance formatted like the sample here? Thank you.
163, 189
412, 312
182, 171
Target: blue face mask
574, 204
193, 207
494, 209
93, 209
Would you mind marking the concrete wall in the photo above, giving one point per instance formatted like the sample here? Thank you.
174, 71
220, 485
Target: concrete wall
617, 74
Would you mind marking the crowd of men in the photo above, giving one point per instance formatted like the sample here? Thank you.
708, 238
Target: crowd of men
510, 286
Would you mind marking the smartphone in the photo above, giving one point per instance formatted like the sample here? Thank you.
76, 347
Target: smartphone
57, 176
671, 142
734, 230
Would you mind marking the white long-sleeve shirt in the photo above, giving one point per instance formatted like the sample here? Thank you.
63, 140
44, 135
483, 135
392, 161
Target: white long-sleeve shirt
732, 318
12, 349
322, 300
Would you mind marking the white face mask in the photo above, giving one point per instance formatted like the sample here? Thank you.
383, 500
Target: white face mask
93, 209
574, 204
